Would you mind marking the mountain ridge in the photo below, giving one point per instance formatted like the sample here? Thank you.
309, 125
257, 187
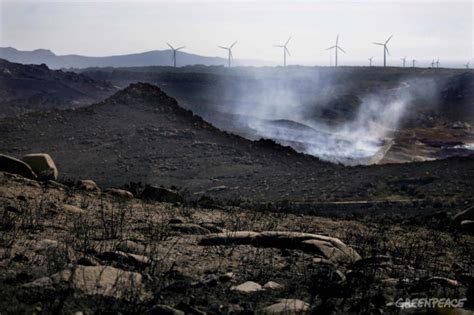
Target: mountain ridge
147, 58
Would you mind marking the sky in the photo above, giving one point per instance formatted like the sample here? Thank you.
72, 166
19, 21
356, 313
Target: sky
422, 30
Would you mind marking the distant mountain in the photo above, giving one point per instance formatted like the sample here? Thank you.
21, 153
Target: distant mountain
149, 58
25, 88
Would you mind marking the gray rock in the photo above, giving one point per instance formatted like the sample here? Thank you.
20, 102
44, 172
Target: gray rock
43, 165
88, 185
286, 306
272, 285
14, 166
247, 287
326, 247
103, 281
119, 193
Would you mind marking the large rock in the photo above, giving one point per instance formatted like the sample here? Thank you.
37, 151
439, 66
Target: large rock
88, 185
161, 194
286, 306
103, 281
326, 247
43, 165
247, 287
11, 165
119, 193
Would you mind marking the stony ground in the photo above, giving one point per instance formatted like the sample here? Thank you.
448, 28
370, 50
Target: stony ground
65, 250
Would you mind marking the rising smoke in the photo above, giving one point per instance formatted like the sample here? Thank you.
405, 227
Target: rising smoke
287, 112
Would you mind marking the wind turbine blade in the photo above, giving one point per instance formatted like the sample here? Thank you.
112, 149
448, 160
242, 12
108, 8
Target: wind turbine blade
287, 51
387, 50
388, 39
231, 55
222, 47
378, 44
170, 46
337, 39
278, 46
332, 47
233, 44
289, 38
181, 47
341, 49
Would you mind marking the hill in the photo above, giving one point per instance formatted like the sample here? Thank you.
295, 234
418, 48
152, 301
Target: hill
149, 58
142, 135
25, 88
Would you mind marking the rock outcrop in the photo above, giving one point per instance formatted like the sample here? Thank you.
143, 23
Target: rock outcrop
43, 165
326, 247
12, 165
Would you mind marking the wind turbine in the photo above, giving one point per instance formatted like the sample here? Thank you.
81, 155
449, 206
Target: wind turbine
467, 65
433, 63
229, 49
437, 63
385, 50
175, 50
370, 61
336, 48
404, 59
285, 50
413, 62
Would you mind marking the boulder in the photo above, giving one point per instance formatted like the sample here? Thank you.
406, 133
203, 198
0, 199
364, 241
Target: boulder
272, 285
247, 287
286, 306
43, 165
103, 281
329, 248
119, 193
161, 194
88, 185
11, 165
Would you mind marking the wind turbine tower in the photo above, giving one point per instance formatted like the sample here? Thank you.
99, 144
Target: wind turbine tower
175, 51
370, 61
285, 50
467, 65
413, 62
404, 59
229, 49
336, 49
385, 50
437, 63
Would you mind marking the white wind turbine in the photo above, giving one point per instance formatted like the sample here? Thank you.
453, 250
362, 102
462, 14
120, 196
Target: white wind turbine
336, 49
385, 50
285, 50
229, 49
175, 50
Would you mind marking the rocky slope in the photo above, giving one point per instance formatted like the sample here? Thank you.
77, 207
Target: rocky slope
142, 135
68, 249
26, 88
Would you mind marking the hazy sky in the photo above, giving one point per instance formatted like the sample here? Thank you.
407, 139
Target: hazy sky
422, 29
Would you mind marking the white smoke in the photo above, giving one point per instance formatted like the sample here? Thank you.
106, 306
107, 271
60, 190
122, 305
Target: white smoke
277, 112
